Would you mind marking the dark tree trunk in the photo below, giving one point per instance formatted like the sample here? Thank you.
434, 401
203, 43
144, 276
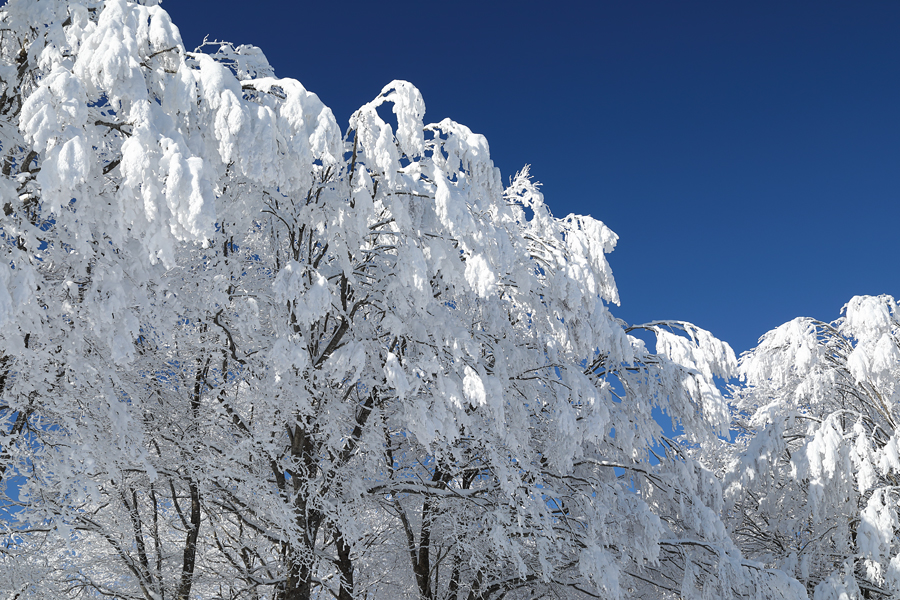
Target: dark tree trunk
345, 565
189, 559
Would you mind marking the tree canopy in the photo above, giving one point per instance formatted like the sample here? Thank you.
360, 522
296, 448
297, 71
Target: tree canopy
248, 353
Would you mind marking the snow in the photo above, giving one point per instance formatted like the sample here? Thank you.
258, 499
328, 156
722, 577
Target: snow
215, 297
480, 276
473, 388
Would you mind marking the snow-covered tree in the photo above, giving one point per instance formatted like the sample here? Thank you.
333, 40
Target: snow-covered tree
246, 354
815, 482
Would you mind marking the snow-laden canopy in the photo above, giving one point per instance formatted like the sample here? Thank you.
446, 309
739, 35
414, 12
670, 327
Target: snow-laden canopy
248, 353
814, 479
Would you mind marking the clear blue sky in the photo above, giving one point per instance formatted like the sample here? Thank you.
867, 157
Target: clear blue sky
747, 153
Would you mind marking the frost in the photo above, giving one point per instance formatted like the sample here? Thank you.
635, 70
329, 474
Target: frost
109, 57
410, 109
599, 565
57, 105
878, 522
308, 292
837, 587
480, 276
74, 166
187, 195
473, 388
868, 316
285, 356
243, 349
827, 390
396, 377
7, 311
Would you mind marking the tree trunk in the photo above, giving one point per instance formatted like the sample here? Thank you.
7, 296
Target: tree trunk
345, 565
298, 584
189, 559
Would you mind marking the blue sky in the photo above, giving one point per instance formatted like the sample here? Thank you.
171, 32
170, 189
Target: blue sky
747, 154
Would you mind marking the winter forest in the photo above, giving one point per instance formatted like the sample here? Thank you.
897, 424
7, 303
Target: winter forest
250, 349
